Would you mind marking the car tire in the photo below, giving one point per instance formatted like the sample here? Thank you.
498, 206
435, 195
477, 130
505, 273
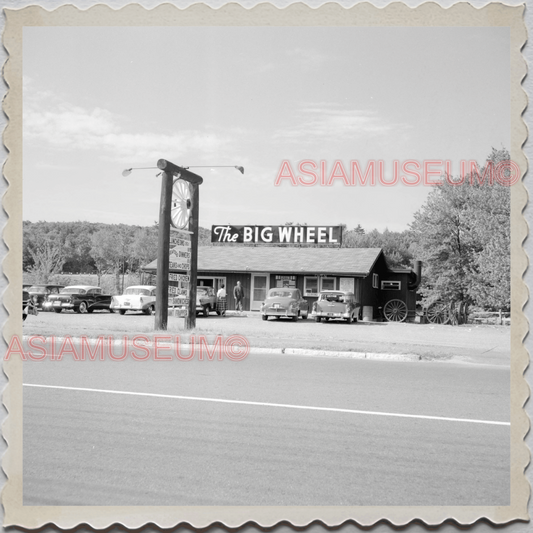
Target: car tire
305, 315
58, 310
151, 310
24, 316
82, 308
122, 311
318, 318
205, 310
295, 318
349, 319
264, 317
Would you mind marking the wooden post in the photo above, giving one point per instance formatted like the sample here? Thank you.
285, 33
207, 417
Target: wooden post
163, 252
190, 320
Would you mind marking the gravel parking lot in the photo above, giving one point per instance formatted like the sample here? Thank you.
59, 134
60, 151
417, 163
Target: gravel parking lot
479, 343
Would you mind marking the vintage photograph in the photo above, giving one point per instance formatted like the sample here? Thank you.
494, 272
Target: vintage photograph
269, 265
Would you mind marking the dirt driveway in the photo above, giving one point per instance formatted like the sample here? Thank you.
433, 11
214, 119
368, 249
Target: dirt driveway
470, 343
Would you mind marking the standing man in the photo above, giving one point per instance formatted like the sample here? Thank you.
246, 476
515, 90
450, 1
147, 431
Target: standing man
238, 294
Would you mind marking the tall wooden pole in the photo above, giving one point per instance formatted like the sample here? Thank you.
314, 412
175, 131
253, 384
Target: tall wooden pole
190, 320
163, 252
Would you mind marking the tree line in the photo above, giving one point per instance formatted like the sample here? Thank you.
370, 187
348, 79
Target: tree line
461, 234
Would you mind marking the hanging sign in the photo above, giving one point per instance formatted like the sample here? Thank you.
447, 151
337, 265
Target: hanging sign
179, 277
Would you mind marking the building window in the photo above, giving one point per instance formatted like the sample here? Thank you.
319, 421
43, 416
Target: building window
375, 281
286, 281
310, 286
391, 285
328, 284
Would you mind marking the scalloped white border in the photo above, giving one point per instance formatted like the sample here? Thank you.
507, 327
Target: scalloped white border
234, 14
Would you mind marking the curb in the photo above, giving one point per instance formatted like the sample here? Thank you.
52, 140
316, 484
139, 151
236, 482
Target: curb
278, 351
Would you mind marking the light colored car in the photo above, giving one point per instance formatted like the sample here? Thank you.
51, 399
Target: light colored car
336, 305
140, 298
288, 303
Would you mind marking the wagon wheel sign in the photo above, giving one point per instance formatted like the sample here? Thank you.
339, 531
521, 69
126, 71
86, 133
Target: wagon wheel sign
395, 311
180, 210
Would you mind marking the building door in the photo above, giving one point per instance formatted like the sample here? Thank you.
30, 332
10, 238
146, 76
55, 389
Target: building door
260, 286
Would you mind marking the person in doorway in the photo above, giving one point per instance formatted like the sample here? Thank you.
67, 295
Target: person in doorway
221, 301
238, 294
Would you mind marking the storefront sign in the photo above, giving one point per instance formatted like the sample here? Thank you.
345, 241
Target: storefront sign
277, 234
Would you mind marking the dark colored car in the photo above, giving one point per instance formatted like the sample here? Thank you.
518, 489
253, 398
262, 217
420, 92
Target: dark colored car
80, 298
336, 305
28, 308
39, 292
285, 303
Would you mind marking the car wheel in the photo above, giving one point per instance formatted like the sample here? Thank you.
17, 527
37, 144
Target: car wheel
349, 319
122, 311
295, 318
264, 317
24, 316
82, 308
206, 310
318, 318
151, 310
305, 315
58, 310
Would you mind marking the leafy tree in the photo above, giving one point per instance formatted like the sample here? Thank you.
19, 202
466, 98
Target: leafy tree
110, 251
462, 236
44, 247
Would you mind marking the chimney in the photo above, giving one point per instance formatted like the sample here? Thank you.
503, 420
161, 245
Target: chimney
418, 273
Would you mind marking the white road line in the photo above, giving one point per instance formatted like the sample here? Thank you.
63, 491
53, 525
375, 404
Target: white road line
266, 404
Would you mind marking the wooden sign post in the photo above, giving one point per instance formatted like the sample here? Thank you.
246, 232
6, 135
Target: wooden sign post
170, 172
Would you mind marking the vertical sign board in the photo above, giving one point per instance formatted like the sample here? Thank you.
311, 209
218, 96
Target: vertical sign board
180, 259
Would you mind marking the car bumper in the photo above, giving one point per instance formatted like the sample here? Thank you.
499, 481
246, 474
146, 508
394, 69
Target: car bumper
324, 314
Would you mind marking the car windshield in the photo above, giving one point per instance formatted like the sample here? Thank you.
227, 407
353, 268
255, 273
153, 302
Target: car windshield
38, 290
73, 290
333, 297
282, 294
137, 291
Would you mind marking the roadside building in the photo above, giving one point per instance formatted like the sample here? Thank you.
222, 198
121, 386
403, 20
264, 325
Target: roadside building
363, 271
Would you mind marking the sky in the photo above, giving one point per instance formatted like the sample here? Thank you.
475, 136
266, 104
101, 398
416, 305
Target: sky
98, 100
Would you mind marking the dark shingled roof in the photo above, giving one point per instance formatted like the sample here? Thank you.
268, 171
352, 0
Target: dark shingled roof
284, 260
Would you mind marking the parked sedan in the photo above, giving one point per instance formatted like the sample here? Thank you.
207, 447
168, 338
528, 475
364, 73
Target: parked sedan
206, 300
287, 303
135, 298
80, 298
336, 305
39, 292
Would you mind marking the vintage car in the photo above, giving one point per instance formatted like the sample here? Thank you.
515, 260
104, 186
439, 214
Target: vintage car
28, 307
135, 298
285, 302
336, 305
79, 298
39, 292
206, 300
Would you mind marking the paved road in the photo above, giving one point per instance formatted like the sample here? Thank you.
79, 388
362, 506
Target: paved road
88, 443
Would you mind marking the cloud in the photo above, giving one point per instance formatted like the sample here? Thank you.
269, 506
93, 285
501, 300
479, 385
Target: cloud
63, 125
332, 122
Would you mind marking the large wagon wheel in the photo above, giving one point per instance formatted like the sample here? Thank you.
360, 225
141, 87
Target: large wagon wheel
180, 209
395, 311
438, 313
